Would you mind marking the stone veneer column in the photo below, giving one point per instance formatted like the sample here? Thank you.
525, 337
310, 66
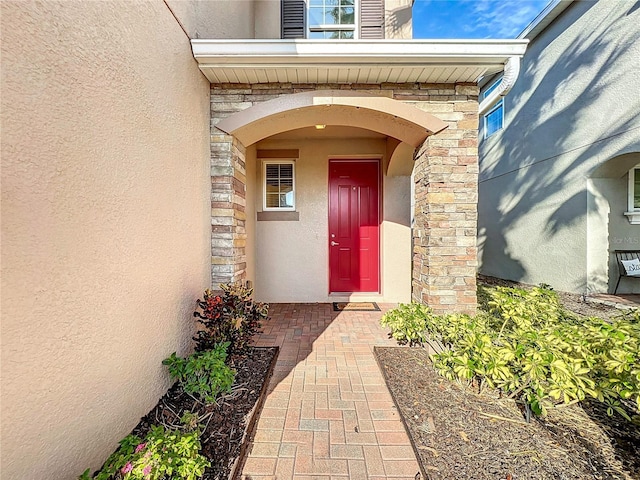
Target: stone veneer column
228, 193
446, 191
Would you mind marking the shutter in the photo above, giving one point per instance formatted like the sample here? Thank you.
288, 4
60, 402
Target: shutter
371, 19
293, 18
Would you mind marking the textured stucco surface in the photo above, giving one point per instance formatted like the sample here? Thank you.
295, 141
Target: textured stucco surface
574, 107
228, 18
607, 197
105, 224
261, 18
398, 19
292, 257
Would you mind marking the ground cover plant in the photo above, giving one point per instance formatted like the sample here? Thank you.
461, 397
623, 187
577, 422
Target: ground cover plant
198, 428
163, 453
526, 345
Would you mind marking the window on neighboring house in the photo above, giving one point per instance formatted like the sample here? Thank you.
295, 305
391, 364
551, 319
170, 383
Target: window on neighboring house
332, 19
633, 207
279, 185
494, 119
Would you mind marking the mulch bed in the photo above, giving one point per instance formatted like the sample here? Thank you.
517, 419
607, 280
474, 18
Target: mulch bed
228, 422
571, 301
458, 433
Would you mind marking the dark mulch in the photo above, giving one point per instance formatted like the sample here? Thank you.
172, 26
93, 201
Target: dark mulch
460, 434
227, 428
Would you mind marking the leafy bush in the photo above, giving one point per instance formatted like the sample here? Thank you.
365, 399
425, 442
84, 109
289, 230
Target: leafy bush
204, 374
530, 348
233, 317
408, 323
161, 455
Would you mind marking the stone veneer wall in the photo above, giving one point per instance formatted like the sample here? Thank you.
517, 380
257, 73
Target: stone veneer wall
228, 203
446, 205
446, 185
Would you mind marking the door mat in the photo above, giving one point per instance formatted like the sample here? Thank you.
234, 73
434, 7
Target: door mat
355, 307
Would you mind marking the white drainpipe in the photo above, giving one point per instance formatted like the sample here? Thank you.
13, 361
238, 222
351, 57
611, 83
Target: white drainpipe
509, 77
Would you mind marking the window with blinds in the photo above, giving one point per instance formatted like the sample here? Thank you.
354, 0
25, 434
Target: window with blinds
333, 19
279, 185
634, 189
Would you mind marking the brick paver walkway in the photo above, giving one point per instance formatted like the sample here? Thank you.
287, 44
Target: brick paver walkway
328, 414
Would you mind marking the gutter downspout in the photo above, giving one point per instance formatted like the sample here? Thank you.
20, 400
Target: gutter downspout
511, 72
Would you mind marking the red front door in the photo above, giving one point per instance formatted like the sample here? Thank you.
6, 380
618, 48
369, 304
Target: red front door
354, 230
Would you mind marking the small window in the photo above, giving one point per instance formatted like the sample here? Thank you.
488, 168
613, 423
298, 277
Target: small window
279, 185
633, 206
332, 19
494, 120
636, 188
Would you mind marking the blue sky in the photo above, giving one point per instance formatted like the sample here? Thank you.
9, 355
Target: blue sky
473, 18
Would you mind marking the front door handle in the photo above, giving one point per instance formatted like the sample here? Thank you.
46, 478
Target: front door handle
333, 244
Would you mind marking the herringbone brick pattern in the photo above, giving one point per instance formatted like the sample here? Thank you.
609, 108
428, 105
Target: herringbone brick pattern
328, 414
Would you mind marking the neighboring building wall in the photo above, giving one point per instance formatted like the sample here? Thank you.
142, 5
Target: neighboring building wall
607, 197
445, 259
105, 224
574, 107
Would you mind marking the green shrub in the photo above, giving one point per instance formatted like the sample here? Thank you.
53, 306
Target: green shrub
163, 454
530, 348
204, 374
407, 323
233, 317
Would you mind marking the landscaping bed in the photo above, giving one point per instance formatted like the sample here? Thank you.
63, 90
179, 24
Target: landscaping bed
455, 435
538, 385
229, 421
200, 428
571, 301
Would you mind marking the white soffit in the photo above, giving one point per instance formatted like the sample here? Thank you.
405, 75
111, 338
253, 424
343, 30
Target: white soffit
353, 61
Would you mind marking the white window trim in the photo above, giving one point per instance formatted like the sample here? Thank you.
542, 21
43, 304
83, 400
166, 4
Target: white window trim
278, 161
632, 213
355, 27
499, 104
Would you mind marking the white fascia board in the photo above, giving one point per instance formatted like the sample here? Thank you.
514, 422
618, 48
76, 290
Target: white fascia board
544, 18
275, 53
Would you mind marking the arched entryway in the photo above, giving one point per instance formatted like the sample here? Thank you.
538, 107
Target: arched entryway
272, 184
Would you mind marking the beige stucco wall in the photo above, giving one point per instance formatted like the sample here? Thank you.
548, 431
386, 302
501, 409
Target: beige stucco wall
250, 225
292, 256
398, 17
228, 18
267, 19
261, 18
105, 224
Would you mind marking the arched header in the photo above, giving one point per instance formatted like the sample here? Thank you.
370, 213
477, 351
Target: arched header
332, 107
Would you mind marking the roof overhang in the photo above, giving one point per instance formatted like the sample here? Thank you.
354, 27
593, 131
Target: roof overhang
353, 61
552, 11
